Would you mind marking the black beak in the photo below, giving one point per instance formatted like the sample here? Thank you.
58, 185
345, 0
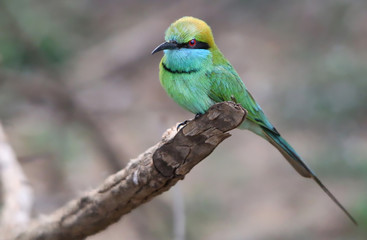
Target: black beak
165, 45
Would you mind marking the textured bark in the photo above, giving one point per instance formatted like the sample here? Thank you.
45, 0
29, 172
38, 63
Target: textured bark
150, 174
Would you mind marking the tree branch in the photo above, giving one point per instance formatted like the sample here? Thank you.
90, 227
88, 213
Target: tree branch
150, 174
17, 193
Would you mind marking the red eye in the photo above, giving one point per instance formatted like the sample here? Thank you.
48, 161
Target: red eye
192, 43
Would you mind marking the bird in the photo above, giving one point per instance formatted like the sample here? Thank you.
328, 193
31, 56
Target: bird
196, 75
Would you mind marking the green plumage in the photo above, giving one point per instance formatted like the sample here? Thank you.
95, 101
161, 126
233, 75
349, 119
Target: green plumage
196, 75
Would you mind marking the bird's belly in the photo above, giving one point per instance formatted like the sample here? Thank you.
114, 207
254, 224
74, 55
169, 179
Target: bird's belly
253, 127
190, 91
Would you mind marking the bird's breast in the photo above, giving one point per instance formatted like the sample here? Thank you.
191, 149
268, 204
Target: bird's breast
189, 90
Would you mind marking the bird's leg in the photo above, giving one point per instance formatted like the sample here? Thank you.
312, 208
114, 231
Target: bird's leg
233, 99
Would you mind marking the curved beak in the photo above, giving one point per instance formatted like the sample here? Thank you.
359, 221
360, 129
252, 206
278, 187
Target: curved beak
165, 45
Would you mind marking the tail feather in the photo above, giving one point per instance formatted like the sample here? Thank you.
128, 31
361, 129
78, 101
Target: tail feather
289, 153
297, 163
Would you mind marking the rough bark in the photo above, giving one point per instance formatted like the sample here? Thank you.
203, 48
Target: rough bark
150, 174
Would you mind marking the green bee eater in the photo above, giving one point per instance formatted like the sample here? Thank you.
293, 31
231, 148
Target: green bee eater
196, 75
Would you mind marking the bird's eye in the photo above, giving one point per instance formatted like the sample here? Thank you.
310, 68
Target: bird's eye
192, 43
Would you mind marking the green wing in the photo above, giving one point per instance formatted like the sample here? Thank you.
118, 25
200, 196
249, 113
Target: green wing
228, 86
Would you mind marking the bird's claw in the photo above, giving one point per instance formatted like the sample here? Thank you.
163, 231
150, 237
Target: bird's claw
182, 124
186, 121
197, 115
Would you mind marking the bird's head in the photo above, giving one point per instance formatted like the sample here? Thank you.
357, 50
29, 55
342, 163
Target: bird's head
188, 44
189, 33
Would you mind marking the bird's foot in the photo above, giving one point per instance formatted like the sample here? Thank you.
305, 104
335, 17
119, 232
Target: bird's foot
186, 121
233, 99
182, 124
197, 115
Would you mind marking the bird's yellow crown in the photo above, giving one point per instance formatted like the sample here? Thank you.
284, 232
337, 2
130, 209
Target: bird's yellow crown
187, 28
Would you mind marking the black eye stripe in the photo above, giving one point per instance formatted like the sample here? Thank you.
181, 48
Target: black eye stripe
199, 45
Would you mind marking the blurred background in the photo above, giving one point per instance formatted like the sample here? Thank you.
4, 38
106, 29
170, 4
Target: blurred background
80, 96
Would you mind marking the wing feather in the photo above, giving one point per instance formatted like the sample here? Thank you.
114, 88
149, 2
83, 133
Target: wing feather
228, 86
